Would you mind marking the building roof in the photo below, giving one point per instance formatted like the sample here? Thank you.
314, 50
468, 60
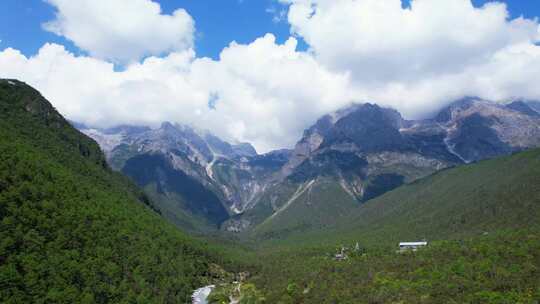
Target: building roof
413, 244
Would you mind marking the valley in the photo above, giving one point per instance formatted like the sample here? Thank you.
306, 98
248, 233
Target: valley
266, 228
270, 152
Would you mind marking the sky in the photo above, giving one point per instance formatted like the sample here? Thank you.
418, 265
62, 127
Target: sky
262, 71
218, 23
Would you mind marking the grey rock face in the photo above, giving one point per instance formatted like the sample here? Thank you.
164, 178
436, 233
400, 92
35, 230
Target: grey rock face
535, 105
235, 173
369, 150
478, 129
148, 169
524, 108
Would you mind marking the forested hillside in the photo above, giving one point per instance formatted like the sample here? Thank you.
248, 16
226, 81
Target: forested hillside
460, 202
482, 224
71, 230
499, 268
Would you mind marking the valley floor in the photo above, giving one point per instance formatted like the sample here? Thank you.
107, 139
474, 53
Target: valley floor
496, 268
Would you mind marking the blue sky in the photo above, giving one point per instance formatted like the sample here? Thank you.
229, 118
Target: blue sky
218, 22
526, 8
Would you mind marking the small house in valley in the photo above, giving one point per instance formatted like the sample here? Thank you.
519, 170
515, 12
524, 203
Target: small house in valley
411, 246
341, 256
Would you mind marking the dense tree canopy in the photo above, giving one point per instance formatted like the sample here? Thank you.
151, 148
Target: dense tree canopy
73, 231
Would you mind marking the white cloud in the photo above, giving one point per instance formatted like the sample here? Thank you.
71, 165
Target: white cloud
422, 56
122, 30
381, 40
268, 93
264, 93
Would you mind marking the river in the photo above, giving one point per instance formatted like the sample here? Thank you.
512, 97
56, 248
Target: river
200, 296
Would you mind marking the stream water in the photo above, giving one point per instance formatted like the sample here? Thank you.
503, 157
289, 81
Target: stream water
200, 295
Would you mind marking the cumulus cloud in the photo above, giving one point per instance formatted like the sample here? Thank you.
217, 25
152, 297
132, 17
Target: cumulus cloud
264, 93
424, 55
121, 30
380, 40
415, 59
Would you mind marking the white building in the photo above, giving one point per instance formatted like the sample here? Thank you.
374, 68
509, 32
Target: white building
341, 256
413, 246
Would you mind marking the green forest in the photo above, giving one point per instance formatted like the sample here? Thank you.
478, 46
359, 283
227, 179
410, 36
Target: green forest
482, 222
72, 230
497, 268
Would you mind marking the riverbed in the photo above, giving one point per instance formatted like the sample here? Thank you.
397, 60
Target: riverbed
200, 296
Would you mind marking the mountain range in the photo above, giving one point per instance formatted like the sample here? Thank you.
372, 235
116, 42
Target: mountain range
345, 158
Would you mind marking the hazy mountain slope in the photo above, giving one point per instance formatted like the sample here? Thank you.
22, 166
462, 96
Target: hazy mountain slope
535, 105
478, 129
73, 231
361, 152
176, 192
309, 208
527, 108
358, 153
468, 200
228, 177
465, 201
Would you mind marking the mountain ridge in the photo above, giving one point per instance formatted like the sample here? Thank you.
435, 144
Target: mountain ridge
365, 150
72, 229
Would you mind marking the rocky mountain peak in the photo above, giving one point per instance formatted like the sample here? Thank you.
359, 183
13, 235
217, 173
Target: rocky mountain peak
168, 128
461, 105
369, 127
244, 150
523, 107
535, 105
